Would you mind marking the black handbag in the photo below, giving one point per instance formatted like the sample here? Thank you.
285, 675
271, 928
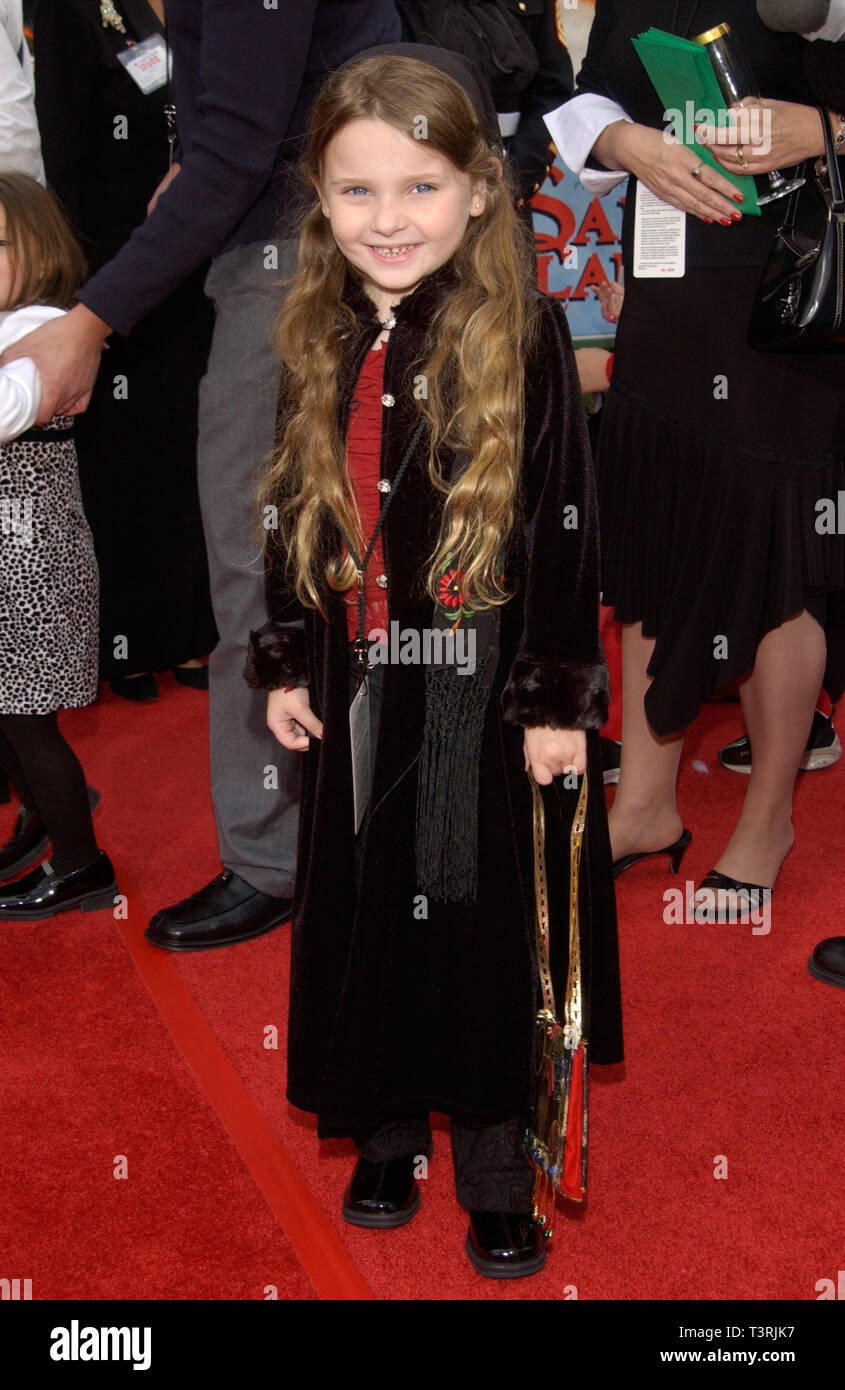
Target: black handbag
483, 30
799, 304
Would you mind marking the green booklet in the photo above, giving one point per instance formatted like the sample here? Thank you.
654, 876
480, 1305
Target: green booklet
683, 77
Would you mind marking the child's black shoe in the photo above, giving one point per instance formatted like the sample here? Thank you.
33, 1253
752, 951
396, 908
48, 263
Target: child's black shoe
505, 1244
382, 1194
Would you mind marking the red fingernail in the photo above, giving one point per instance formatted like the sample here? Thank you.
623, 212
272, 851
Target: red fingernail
726, 221
738, 198
737, 216
710, 220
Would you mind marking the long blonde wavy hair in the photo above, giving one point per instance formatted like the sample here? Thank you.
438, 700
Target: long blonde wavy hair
473, 359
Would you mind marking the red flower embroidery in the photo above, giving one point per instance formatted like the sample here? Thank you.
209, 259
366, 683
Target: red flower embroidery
449, 593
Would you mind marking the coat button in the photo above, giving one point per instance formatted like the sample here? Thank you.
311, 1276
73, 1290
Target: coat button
387, 399
381, 580
383, 485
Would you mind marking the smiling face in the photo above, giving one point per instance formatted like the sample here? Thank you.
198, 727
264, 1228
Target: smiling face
9, 280
398, 210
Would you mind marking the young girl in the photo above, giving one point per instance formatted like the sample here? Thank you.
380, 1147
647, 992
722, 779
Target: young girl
432, 437
48, 582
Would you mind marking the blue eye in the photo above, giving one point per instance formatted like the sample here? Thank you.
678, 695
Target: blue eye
357, 189
424, 185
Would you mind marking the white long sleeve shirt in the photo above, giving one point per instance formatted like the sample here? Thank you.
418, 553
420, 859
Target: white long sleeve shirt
20, 142
20, 384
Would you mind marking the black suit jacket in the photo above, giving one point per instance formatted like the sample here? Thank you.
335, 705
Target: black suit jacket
244, 79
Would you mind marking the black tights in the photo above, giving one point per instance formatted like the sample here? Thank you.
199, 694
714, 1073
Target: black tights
50, 780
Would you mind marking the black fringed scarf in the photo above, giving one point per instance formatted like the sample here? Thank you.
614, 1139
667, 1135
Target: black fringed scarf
455, 710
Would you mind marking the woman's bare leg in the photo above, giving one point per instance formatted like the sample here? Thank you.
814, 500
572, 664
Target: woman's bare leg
778, 700
644, 815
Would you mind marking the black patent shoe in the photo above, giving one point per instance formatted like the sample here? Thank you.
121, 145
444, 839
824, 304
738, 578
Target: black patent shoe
828, 961
505, 1244
29, 841
27, 845
382, 1194
43, 893
227, 911
675, 851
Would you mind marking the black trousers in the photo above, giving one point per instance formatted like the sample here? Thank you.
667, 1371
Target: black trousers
492, 1172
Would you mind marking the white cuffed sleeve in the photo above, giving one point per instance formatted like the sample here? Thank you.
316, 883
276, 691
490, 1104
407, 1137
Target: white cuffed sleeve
575, 127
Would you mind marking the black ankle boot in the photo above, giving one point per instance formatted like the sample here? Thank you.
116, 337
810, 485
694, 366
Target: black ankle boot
382, 1194
43, 893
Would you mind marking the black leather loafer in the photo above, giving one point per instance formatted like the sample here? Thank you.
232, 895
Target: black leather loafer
29, 841
505, 1244
43, 893
224, 913
828, 961
382, 1194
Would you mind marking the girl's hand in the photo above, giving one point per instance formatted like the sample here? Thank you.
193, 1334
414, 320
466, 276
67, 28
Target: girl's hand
290, 718
549, 752
665, 166
767, 134
610, 296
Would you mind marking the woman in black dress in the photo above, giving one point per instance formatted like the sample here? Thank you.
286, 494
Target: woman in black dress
105, 144
711, 461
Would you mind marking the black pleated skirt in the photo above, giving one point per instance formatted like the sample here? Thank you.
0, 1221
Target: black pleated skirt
714, 465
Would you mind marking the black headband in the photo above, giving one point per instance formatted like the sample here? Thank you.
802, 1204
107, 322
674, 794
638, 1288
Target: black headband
462, 70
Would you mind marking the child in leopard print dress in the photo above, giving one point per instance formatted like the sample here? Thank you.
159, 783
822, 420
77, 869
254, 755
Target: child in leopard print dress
48, 582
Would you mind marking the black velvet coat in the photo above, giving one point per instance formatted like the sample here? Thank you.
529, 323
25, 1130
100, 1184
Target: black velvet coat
391, 1013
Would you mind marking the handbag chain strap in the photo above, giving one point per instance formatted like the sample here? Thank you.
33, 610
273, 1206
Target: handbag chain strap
572, 1003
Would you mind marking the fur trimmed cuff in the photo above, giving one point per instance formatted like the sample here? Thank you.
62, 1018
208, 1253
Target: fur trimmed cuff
276, 657
558, 694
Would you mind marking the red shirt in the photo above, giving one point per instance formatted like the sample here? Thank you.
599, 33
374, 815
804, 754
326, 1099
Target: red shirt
363, 461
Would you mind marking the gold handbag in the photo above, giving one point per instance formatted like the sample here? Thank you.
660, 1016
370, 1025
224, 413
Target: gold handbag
556, 1141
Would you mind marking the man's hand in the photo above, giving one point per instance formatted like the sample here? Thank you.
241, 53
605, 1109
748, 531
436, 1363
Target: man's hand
66, 352
165, 183
549, 752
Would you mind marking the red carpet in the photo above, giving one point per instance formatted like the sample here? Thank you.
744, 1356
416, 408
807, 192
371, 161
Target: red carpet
113, 1048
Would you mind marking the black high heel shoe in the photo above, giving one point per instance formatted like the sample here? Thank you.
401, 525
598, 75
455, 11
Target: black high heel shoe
749, 898
676, 853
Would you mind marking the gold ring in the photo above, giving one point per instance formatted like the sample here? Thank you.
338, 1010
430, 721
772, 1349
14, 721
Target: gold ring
739, 156
697, 172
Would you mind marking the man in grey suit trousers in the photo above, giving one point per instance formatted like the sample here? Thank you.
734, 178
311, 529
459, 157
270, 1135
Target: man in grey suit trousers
244, 78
